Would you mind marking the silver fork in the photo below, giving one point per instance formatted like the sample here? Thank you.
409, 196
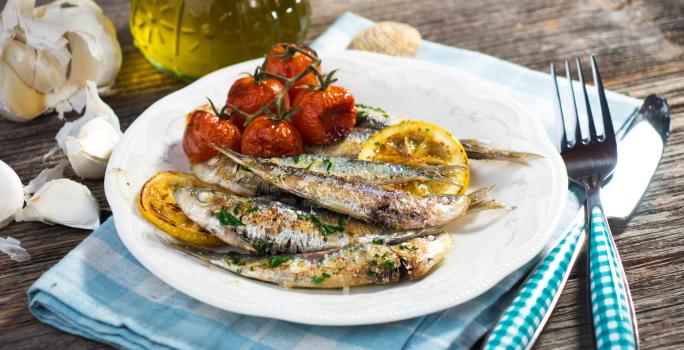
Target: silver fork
589, 162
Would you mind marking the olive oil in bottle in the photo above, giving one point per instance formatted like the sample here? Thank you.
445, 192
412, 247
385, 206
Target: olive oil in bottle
190, 38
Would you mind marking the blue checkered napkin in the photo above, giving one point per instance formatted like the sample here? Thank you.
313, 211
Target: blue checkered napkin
101, 292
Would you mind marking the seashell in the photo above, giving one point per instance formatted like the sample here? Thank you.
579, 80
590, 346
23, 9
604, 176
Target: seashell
390, 38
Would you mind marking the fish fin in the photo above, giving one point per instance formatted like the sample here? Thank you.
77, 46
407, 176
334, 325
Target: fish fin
445, 173
403, 236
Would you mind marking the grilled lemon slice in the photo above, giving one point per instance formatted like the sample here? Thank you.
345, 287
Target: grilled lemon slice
156, 204
419, 143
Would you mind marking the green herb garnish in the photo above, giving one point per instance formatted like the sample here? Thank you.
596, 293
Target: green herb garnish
389, 265
296, 159
324, 228
279, 260
237, 208
328, 164
235, 259
319, 279
252, 209
262, 246
378, 241
225, 218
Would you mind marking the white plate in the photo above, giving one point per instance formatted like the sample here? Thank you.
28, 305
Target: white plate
487, 246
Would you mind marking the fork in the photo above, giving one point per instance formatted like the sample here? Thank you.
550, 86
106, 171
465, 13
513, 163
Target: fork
589, 162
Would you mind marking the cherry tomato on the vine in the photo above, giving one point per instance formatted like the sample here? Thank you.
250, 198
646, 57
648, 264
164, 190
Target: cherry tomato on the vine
324, 116
291, 66
204, 128
249, 95
265, 137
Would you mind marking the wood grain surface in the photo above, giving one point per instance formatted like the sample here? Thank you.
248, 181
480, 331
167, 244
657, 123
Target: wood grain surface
640, 48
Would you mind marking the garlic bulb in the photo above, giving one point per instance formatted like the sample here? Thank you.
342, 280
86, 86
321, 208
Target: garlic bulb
89, 141
64, 202
47, 54
12, 194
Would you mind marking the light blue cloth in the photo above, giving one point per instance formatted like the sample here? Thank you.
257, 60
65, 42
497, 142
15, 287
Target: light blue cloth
100, 291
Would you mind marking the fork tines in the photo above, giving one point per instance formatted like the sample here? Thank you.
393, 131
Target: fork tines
608, 135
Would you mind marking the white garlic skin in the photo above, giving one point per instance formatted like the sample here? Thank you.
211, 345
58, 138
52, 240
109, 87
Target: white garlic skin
64, 202
89, 152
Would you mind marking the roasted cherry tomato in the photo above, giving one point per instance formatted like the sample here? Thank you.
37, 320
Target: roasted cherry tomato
249, 95
265, 137
324, 116
291, 66
205, 128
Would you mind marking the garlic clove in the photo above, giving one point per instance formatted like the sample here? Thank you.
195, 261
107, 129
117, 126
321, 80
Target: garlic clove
64, 202
98, 138
12, 194
36, 68
18, 101
89, 141
44, 177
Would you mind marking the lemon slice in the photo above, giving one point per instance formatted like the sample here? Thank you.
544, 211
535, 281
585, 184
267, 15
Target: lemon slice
419, 143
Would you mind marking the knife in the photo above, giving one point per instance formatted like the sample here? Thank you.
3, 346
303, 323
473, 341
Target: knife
641, 141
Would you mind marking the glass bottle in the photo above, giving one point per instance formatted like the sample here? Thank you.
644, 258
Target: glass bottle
190, 38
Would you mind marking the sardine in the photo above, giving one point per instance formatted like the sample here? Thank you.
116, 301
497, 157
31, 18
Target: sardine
357, 265
371, 203
226, 173
265, 225
372, 119
371, 172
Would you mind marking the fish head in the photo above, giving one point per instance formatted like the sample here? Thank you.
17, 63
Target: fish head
419, 255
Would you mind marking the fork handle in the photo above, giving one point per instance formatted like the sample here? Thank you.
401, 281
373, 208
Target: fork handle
611, 304
521, 323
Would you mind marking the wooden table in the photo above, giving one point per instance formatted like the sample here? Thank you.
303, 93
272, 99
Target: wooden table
640, 46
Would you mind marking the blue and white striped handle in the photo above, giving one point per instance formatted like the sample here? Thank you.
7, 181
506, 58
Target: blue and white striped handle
520, 324
614, 326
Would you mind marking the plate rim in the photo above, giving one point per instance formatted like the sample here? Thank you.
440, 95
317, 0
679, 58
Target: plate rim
500, 272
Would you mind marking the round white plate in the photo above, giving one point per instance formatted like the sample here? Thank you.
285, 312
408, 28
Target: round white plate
487, 246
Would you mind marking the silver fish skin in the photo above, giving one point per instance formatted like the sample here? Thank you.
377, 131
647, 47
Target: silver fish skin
226, 173
264, 225
349, 147
372, 119
358, 265
370, 172
394, 209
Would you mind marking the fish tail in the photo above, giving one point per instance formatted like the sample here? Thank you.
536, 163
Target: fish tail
480, 201
235, 156
446, 173
477, 149
203, 254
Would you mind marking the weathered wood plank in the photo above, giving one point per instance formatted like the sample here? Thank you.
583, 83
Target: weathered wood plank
640, 48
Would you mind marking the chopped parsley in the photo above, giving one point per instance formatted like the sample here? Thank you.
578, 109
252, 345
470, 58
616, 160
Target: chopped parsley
279, 260
296, 159
370, 273
262, 246
237, 208
328, 164
234, 259
377, 143
252, 209
319, 279
389, 265
225, 218
378, 241
324, 228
